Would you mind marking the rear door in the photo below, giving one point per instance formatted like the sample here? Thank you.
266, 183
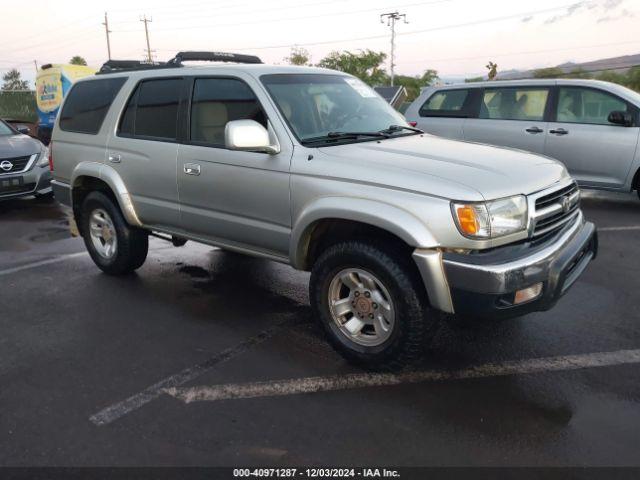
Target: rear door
443, 113
144, 150
511, 117
596, 152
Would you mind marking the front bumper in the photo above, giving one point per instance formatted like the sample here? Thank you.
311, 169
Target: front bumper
484, 284
37, 180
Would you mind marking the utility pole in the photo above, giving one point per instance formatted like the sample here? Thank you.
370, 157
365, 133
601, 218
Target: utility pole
146, 32
391, 22
35, 62
107, 31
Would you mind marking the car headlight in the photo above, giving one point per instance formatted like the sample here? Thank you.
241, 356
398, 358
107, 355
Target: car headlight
43, 158
491, 219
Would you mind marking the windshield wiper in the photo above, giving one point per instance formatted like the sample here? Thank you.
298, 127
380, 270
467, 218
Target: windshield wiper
398, 128
344, 136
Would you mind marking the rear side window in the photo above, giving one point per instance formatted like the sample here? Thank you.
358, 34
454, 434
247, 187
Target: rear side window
514, 103
445, 103
217, 101
88, 103
152, 111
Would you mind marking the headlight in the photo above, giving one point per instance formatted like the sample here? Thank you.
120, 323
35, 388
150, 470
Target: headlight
43, 158
491, 219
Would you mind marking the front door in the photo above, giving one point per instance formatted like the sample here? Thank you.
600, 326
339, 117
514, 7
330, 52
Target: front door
596, 152
510, 117
232, 197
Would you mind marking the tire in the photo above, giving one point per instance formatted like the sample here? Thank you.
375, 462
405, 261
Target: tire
399, 289
131, 244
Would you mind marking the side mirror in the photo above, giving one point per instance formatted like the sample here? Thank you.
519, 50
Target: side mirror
23, 129
621, 118
249, 136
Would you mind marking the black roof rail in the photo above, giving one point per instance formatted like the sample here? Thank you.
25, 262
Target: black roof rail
114, 66
213, 57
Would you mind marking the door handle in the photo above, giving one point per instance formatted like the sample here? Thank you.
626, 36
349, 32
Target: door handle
115, 158
559, 131
535, 130
191, 169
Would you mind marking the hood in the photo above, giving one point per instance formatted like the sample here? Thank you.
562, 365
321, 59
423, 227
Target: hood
12, 146
446, 168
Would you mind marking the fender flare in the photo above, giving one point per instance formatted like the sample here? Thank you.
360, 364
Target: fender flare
395, 220
111, 177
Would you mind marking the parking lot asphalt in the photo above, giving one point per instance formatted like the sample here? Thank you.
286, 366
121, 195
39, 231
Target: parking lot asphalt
206, 357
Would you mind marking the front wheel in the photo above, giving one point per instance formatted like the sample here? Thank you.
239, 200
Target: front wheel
372, 304
115, 247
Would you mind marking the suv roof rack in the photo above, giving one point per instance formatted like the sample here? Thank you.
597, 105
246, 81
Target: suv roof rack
213, 57
113, 66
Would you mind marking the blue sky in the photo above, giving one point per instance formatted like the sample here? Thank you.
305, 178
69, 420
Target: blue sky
456, 37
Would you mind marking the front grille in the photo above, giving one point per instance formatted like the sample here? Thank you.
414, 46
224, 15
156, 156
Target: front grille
18, 164
556, 209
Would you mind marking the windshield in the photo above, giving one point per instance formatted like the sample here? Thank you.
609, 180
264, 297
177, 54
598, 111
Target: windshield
315, 105
5, 130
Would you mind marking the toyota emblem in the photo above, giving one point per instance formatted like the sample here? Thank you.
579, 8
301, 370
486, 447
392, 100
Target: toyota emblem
6, 166
566, 204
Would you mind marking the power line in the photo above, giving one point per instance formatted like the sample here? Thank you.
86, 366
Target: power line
285, 19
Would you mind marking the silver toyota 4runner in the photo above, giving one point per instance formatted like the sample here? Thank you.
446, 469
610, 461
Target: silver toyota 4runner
312, 168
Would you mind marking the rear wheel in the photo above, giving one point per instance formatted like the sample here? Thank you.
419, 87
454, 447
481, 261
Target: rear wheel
372, 304
115, 247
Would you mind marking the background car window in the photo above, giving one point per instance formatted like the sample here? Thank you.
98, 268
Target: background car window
88, 103
152, 110
217, 101
586, 105
514, 104
5, 130
443, 103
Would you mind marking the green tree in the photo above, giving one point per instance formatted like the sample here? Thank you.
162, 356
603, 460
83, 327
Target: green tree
365, 64
12, 80
298, 56
579, 73
613, 77
551, 72
474, 79
633, 79
414, 85
77, 60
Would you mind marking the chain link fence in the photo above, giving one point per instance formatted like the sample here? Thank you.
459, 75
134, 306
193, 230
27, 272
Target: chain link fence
18, 105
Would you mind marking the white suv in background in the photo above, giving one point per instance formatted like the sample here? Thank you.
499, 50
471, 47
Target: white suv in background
590, 126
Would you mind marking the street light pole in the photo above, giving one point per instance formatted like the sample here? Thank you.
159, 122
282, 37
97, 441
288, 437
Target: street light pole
391, 22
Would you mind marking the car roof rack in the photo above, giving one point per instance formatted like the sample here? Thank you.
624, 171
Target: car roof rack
213, 57
114, 66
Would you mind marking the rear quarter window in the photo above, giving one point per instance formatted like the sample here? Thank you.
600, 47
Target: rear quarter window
87, 105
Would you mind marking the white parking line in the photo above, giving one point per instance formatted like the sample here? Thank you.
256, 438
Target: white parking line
120, 409
343, 382
41, 263
629, 228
